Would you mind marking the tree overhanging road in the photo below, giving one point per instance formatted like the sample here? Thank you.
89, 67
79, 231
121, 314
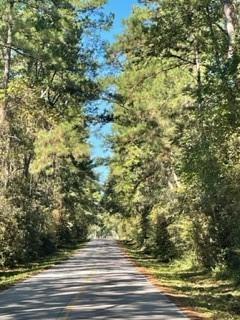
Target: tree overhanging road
97, 283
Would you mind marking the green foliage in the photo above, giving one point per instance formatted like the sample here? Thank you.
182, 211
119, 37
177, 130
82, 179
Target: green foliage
175, 141
62, 142
48, 188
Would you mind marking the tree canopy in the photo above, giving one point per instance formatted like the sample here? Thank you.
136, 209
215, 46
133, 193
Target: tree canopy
175, 165
48, 187
173, 185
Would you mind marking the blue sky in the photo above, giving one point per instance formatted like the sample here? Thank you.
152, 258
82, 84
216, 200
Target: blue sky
121, 10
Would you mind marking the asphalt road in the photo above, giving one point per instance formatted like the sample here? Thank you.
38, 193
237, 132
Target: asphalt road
96, 283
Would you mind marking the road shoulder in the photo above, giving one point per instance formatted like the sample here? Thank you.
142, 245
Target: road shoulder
176, 298
12, 276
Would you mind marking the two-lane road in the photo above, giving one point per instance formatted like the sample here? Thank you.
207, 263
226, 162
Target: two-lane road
96, 283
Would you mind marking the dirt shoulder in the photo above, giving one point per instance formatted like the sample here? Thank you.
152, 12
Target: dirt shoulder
196, 292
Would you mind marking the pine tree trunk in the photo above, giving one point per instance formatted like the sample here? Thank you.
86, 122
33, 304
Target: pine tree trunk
199, 76
144, 226
7, 63
230, 16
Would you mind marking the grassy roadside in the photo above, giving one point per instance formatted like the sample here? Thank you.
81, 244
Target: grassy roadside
9, 277
200, 293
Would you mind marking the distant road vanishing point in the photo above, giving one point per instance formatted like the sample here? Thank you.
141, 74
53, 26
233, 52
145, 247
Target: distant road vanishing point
98, 282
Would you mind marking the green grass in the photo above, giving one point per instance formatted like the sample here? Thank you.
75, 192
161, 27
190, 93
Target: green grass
9, 277
195, 289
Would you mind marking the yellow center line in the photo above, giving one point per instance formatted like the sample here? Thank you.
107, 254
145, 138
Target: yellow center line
71, 305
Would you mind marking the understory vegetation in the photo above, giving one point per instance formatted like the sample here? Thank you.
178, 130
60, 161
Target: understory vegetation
173, 187
210, 295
